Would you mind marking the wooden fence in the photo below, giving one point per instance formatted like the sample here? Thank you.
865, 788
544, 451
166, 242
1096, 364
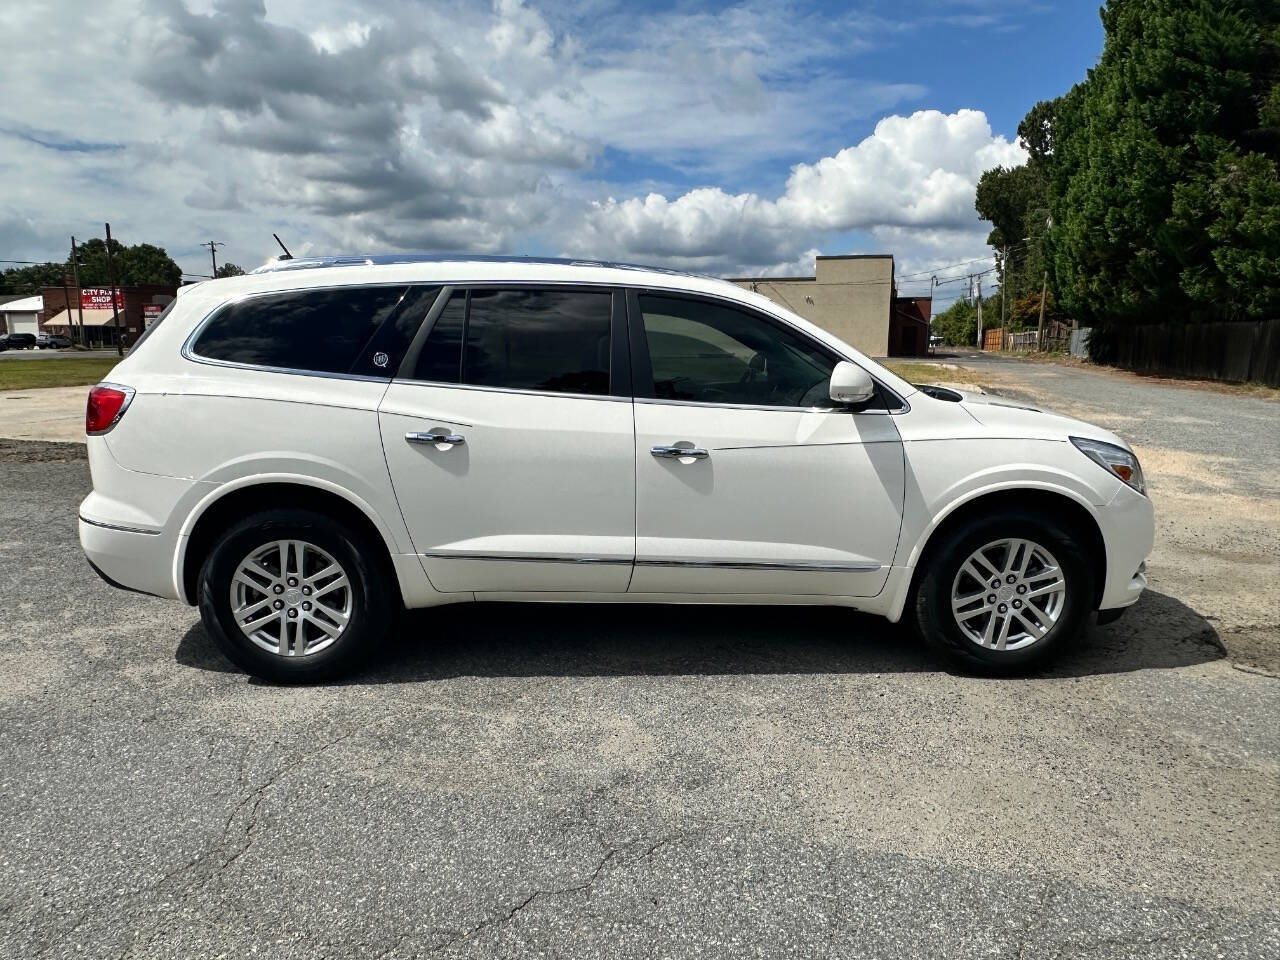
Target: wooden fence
1242, 351
1053, 337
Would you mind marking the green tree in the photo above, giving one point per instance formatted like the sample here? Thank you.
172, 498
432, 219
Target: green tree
229, 270
141, 263
28, 280
958, 324
1161, 167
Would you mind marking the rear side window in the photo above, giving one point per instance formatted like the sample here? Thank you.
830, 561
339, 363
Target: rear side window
555, 341
322, 331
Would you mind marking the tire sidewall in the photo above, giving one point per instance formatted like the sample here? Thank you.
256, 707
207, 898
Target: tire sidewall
937, 623
371, 608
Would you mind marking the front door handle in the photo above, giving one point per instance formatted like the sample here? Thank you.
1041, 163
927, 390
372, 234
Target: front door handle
677, 453
449, 438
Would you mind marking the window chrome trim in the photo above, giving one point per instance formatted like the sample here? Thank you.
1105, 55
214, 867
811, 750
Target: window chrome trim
188, 345
446, 289
796, 566
757, 406
520, 391
123, 528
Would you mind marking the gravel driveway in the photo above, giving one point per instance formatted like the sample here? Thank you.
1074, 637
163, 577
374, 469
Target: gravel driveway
603, 781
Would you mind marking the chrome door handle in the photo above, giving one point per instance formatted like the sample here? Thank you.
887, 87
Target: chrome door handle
676, 453
449, 438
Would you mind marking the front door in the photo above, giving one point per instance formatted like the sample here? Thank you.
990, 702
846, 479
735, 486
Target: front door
748, 479
510, 442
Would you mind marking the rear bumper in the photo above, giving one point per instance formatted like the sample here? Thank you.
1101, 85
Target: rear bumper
131, 558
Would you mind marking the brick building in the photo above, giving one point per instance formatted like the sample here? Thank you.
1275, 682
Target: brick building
65, 308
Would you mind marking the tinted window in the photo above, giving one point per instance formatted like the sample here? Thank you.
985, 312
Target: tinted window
382, 355
441, 358
711, 353
325, 331
550, 340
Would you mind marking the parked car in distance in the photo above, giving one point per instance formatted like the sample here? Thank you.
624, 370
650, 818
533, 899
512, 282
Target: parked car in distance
52, 341
308, 449
17, 341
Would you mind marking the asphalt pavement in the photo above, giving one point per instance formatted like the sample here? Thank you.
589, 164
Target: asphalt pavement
611, 781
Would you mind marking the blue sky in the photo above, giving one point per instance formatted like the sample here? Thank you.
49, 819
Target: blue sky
721, 137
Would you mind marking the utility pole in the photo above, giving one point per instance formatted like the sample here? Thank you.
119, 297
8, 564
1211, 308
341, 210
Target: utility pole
933, 283
1044, 282
1004, 286
213, 246
66, 301
981, 344
115, 310
75, 272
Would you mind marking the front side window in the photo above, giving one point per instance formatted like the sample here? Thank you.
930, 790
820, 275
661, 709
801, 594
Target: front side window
554, 341
710, 353
322, 331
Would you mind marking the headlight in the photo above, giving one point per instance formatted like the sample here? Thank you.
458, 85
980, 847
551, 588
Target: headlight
1115, 460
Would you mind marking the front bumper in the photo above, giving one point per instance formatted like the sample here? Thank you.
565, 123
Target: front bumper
1128, 526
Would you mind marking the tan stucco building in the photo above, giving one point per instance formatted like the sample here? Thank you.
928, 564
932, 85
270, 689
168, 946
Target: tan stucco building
853, 297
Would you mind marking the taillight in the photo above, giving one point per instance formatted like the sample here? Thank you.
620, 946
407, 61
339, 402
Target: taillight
107, 404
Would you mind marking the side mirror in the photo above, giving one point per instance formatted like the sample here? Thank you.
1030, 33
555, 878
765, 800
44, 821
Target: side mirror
851, 385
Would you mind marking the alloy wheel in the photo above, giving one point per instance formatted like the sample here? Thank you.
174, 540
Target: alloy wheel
291, 598
1008, 594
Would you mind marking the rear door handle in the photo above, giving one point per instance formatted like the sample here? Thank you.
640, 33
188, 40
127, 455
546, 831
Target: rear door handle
677, 453
440, 437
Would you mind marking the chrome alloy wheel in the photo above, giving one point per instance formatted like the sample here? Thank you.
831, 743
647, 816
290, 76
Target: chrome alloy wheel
291, 598
1008, 594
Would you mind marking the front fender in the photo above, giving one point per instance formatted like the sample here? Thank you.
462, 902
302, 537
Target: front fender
944, 476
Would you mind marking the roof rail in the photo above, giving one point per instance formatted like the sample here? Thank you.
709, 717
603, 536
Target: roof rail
313, 263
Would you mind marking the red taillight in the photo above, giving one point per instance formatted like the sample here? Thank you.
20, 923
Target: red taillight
107, 403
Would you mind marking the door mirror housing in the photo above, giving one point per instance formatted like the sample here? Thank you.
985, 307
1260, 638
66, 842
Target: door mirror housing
851, 386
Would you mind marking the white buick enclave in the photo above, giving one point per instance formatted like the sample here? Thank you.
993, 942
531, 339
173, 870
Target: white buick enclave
307, 450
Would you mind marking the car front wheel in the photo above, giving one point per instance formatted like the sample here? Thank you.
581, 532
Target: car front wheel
294, 597
1004, 594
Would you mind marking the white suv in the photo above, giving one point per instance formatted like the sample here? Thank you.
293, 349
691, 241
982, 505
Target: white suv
308, 450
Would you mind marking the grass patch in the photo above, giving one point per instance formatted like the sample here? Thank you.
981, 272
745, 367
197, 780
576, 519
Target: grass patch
22, 374
936, 373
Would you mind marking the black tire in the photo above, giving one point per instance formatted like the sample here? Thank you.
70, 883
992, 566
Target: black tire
931, 603
373, 602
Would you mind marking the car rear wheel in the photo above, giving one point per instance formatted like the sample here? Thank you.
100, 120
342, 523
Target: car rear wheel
1004, 594
294, 597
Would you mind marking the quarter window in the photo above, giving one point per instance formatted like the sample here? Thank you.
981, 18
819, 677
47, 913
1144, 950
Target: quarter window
556, 341
323, 331
705, 352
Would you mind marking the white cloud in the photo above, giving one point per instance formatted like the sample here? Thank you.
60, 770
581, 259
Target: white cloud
352, 125
918, 171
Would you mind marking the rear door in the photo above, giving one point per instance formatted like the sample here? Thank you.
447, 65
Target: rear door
748, 479
510, 441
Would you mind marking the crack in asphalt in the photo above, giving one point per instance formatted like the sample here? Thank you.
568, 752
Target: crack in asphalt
579, 887
252, 802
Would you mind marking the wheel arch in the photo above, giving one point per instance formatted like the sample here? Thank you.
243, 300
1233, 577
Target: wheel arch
229, 504
1062, 505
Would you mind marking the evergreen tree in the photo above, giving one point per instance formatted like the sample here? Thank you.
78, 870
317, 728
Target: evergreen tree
1161, 167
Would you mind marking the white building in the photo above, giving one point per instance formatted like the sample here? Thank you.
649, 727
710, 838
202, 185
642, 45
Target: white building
22, 316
